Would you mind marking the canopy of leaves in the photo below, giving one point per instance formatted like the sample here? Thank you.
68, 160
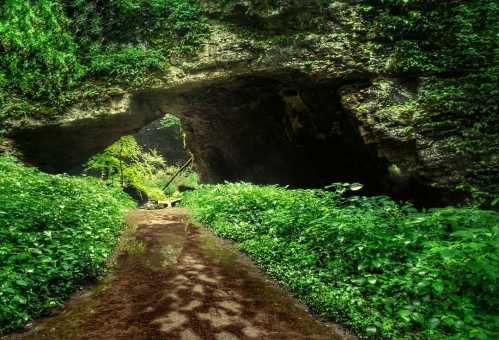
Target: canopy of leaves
56, 233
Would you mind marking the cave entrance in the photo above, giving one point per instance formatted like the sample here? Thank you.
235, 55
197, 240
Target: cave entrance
268, 129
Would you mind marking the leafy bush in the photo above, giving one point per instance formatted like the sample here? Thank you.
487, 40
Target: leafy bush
126, 163
187, 179
426, 36
127, 64
38, 53
383, 268
56, 232
51, 49
170, 121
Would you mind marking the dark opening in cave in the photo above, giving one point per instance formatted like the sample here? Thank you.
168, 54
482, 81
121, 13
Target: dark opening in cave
268, 132
265, 130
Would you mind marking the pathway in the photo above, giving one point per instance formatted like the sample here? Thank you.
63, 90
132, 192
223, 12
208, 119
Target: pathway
176, 281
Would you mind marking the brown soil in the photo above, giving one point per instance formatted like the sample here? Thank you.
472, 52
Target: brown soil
185, 284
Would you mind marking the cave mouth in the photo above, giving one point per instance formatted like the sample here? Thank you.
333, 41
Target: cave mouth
267, 129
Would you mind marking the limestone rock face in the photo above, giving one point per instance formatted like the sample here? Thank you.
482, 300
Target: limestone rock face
167, 141
399, 135
270, 100
85, 130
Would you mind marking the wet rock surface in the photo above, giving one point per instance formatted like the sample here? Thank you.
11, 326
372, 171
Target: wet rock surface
186, 284
167, 141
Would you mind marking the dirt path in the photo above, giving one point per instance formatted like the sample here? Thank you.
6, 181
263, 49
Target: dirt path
185, 284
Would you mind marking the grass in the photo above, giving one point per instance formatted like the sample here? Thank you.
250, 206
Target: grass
383, 268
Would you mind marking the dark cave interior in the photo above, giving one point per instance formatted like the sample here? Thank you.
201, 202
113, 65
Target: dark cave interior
255, 129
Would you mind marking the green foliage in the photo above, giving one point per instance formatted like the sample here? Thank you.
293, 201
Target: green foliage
436, 36
50, 48
170, 121
56, 232
386, 269
38, 53
187, 179
127, 164
454, 43
127, 64
277, 16
451, 49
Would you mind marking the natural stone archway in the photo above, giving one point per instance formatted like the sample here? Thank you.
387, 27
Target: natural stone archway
268, 130
63, 146
283, 128
305, 114
284, 102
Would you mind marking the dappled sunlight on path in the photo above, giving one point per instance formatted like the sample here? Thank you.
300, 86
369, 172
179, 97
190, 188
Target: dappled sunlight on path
183, 284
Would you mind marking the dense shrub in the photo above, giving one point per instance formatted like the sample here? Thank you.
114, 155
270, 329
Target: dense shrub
55, 233
38, 52
452, 43
49, 49
384, 268
426, 36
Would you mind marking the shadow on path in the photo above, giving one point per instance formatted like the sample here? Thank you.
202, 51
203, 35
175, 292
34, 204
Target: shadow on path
186, 284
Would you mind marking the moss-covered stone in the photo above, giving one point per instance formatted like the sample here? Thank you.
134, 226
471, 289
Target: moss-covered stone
435, 123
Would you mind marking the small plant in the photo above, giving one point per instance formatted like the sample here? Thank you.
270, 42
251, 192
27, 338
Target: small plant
170, 121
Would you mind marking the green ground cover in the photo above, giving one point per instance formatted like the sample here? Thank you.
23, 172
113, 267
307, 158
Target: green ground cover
56, 233
386, 269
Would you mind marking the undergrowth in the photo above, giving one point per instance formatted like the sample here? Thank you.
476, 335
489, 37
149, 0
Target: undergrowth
187, 180
384, 268
126, 164
55, 52
56, 232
